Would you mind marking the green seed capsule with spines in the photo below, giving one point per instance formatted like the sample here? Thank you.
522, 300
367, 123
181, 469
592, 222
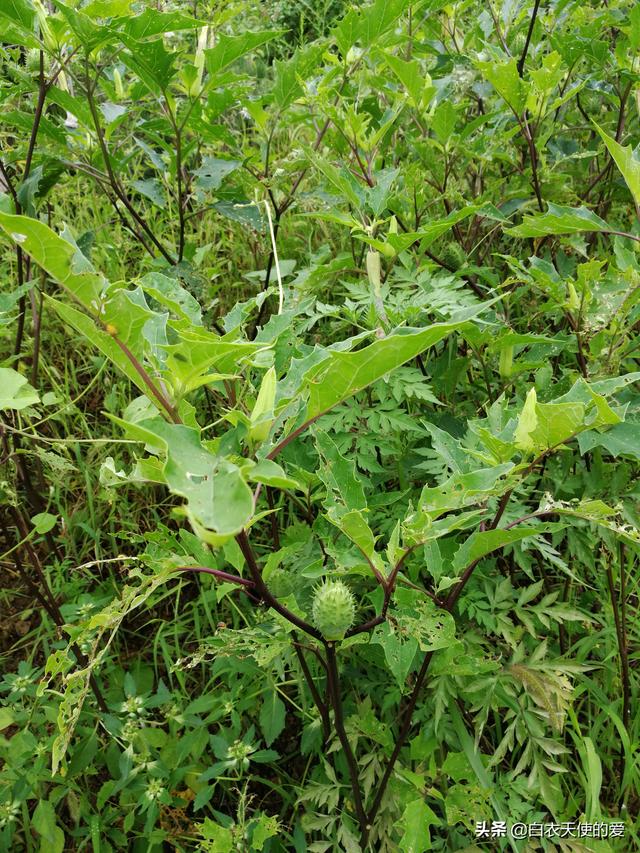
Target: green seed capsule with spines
280, 583
333, 609
518, 44
453, 256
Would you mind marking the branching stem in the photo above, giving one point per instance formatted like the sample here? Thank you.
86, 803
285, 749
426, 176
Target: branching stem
336, 701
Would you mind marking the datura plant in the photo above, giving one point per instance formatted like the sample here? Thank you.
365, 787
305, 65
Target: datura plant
381, 433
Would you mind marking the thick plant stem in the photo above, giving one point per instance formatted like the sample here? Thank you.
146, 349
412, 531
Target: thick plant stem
181, 196
22, 261
142, 373
315, 693
413, 699
267, 596
113, 180
525, 50
533, 156
624, 649
402, 736
336, 702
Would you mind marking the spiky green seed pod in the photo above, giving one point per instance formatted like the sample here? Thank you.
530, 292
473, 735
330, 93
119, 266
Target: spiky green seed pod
591, 101
453, 255
33, 59
280, 583
333, 609
518, 44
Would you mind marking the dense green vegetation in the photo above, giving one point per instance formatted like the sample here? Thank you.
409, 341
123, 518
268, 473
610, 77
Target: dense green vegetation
320, 424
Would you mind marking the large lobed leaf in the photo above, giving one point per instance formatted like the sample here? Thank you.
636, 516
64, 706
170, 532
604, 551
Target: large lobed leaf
57, 256
559, 220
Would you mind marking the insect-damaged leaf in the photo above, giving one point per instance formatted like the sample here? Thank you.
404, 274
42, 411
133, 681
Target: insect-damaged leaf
218, 498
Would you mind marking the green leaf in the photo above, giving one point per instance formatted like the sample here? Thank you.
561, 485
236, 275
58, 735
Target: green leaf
269, 474
339, 475
614, 383
272, 716
290, 75
443, 121
505, 79
427, 234
465, 803
101, 340
368, 24
44, 823
464, 489
420, 528
549, 74
168, 292
241, 210
355, 527
16, 34
213, 171
218, 838
410, 74
264, 827
129, 320
342, 374
419, 617
28, 190
543, 426
152, 189
43, 522
598, 412
151, 22
58, 256
399, 651
378, 195
151, 61
76, 106
15, 391
621, 440
625, 160
7, 718
107, 8
219, 500
416, 821
598, 513
340, 180
559, 220
484, 542
19, 12
199, 349
88, 34
230, 48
